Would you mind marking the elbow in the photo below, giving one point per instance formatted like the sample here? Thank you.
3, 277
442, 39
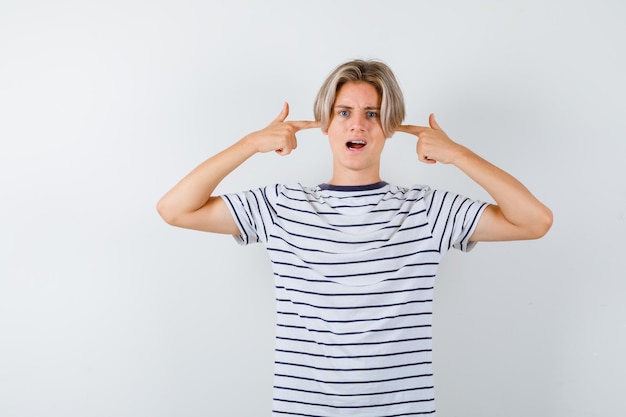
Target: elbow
542, 224
166, 212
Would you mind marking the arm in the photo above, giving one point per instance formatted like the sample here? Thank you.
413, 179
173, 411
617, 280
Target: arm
516, 215
191, 204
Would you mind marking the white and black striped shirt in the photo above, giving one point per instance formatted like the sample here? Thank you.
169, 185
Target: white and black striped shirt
354, 270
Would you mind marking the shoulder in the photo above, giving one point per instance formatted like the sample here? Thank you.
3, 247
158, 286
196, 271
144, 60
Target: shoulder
440, 200
413, 193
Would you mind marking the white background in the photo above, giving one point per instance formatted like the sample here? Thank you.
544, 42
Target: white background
107, 311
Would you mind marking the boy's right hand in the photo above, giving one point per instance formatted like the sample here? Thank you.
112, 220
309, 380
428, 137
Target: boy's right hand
280, 135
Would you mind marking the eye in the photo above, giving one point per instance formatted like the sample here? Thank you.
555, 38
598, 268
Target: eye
342, 112
372, 114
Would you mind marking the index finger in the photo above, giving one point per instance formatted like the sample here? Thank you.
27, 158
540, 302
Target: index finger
304, 124
415, 130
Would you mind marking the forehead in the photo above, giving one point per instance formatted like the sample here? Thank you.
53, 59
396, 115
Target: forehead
358, 93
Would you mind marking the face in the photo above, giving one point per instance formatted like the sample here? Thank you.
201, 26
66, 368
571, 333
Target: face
355, 134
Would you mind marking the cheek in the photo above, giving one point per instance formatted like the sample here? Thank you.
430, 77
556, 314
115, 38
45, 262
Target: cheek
328, 126
376, 122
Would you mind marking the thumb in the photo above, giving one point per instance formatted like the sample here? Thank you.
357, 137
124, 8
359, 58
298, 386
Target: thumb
433, 123
283, 113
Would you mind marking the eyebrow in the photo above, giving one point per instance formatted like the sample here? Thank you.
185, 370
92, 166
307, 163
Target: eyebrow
341, 106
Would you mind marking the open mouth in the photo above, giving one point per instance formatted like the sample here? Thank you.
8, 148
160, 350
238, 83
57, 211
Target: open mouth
355, 144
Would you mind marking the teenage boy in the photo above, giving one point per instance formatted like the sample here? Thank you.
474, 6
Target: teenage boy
355, 258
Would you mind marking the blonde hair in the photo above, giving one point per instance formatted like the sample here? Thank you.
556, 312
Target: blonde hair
373, 72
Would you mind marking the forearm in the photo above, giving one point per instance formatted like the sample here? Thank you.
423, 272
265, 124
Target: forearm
195, 189
514, 201
191, 203
517, 214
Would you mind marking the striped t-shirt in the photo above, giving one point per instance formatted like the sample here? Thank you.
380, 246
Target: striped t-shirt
354, 271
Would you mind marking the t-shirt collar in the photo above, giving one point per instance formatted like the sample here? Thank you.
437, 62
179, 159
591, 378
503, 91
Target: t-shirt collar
367, 187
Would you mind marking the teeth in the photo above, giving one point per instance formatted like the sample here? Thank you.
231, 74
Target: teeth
355, 144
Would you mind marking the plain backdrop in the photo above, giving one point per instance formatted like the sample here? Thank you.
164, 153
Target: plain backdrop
106, 311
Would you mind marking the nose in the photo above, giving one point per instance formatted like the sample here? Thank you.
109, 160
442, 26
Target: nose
357, 121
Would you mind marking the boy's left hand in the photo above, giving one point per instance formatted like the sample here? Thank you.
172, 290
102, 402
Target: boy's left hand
433, 143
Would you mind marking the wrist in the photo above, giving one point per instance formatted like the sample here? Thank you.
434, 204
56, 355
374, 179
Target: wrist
249, 145
460, 155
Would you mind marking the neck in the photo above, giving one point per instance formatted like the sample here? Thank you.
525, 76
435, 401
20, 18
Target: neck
354, 178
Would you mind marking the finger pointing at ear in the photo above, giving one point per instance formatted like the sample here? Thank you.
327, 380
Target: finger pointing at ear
304, 124
433, 143
280, 134
411, 129
296, 124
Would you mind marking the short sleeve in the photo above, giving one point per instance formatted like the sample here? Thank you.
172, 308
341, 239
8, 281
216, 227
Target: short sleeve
453, 219
254, 212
